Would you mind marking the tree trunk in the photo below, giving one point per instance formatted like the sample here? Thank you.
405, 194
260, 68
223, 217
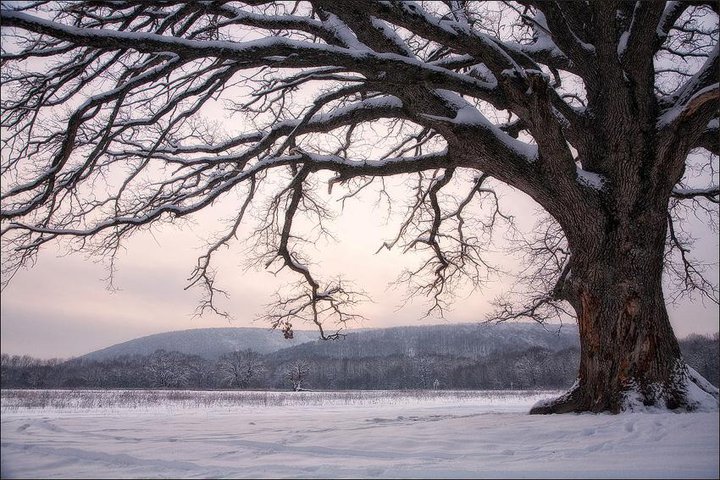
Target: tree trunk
629, 354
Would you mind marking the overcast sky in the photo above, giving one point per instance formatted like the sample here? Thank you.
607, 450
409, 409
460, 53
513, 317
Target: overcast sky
61, 308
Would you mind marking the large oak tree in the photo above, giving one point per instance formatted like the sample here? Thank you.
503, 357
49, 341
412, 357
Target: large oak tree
592, 108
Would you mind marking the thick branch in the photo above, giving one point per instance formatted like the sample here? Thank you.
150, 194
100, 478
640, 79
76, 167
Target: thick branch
256, 53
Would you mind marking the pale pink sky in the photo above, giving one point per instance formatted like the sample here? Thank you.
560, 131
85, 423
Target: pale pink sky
61, 308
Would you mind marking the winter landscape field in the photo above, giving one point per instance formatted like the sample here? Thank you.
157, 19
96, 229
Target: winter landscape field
351, 434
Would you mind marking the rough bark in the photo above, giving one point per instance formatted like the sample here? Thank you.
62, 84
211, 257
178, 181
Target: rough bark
629, 353
627, 342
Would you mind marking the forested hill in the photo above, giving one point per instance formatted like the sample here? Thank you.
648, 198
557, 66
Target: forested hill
441, 356
458, 340
208, 343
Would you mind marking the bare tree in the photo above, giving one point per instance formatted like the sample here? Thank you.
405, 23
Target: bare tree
240, 367
296, 374
599, 111
169, 369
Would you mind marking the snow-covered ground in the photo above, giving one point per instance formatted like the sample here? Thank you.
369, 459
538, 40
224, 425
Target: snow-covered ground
341, 435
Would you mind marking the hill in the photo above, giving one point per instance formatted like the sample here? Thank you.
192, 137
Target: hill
458, 340
208, 343
468, 356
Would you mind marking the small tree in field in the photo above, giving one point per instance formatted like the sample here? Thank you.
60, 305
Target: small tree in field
240, 367
296, 374
605, 113
168, 369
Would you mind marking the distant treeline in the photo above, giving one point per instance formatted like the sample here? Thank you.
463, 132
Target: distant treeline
532, 368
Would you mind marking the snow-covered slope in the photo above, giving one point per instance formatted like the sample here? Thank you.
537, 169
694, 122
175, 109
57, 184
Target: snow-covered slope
461, 340
457, 340
209, 343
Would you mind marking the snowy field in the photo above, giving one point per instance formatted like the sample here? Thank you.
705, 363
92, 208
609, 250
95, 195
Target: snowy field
436, 434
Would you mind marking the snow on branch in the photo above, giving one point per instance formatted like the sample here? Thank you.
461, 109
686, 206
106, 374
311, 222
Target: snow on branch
700, 90
711, 194
459, 35
286, 52
555, 17
543, 48
638, 44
